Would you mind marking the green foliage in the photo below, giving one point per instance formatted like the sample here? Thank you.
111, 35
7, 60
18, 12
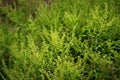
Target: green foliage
71, 40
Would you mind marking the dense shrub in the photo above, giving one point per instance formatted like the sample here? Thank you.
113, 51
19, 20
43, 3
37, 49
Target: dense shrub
71, 40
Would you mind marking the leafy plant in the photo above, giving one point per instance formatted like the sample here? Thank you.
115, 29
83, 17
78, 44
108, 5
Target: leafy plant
71, 40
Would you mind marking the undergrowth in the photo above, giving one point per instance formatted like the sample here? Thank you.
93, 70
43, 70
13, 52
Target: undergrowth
71, 40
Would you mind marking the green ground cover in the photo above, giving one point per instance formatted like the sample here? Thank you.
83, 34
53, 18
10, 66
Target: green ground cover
71, 40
